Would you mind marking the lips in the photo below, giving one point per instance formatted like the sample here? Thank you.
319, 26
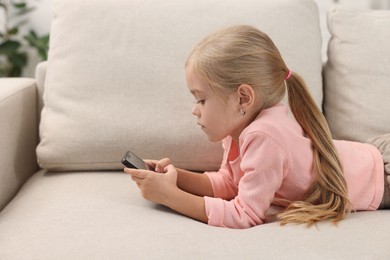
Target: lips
202, 126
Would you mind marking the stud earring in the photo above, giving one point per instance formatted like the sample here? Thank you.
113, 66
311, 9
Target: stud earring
242, 112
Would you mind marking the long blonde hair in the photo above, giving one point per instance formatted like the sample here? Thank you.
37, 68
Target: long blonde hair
244, 55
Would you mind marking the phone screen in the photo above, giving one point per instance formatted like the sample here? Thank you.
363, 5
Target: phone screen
131, 160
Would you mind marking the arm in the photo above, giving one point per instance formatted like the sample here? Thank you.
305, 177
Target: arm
195, 183
187, 204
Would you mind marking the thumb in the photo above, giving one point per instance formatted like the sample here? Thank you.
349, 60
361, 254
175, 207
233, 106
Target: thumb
171, 173
170, 168
162, 164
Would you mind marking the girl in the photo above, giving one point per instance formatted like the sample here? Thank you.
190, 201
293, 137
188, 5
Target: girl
238, 79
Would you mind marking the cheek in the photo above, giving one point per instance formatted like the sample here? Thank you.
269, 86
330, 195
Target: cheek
219, 121
215, 114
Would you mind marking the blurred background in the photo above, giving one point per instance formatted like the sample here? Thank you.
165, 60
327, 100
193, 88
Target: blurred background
25, 27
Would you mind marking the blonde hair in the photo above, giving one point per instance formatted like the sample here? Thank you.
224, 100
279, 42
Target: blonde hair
244, 55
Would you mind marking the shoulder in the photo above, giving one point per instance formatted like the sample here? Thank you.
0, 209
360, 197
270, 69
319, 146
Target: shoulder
275, 130
260, 146
273, 122
265, 135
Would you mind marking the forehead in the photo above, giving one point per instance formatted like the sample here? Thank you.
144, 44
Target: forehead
196, 84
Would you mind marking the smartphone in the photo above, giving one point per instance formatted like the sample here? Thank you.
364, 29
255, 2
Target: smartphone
131, 160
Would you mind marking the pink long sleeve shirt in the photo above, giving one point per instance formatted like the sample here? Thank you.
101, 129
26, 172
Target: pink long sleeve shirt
274, 159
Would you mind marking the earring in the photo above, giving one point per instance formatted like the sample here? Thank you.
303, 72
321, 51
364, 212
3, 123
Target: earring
242, 112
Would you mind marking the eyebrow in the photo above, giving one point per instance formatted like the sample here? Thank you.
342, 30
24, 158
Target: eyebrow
196, 92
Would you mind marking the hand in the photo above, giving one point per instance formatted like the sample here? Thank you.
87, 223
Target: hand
155, 187
160, 165
162, 189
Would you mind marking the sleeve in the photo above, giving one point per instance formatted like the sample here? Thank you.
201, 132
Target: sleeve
264, 164
222, 181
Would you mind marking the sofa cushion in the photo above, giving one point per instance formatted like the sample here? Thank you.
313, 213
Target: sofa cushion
115, 76
101, 215
357, 74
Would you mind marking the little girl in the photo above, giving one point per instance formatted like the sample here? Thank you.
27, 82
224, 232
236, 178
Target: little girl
238, 79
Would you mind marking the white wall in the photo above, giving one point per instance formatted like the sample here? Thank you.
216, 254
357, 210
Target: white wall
323, 6
41, 19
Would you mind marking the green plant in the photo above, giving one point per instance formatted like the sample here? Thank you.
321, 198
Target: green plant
13, 41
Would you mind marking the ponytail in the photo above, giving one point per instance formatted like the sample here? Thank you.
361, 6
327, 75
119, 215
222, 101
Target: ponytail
327, 198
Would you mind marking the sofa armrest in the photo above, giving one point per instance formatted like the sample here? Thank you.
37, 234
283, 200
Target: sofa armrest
18, 134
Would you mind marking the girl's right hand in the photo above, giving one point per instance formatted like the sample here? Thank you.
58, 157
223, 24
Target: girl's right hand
159, 166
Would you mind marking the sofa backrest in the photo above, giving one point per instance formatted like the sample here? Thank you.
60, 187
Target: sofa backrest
115, 76
357, 73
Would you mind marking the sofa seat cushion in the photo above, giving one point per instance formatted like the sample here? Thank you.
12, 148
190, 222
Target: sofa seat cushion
115, 76
357, 73
101, 215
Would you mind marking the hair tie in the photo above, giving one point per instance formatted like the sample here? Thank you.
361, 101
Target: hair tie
288, 75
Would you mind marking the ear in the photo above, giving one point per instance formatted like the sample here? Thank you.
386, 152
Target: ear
246, 96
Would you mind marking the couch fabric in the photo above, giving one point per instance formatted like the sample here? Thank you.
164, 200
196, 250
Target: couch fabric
127, 89
100, 215
18, 113
115, 81
357, 74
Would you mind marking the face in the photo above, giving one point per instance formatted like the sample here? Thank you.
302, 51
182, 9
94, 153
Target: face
216, 118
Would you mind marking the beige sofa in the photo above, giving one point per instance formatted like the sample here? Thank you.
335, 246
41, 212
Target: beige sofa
114, 81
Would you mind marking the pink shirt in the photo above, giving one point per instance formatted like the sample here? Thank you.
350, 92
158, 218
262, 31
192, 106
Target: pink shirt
275, 160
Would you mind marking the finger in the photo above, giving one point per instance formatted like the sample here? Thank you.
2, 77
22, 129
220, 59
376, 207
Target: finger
169, 168
162, 164
139, 174
137, 181
151, 163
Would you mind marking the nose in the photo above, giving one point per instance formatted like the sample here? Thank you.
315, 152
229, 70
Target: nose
195, 110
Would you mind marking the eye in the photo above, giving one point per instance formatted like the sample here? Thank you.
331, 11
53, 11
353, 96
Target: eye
200, 101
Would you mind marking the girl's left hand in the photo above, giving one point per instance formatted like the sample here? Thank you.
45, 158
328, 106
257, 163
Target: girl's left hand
155, 187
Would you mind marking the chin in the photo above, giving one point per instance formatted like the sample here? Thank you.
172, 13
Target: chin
214, 139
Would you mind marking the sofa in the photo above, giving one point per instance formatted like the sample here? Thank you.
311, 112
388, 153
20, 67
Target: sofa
114, 81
